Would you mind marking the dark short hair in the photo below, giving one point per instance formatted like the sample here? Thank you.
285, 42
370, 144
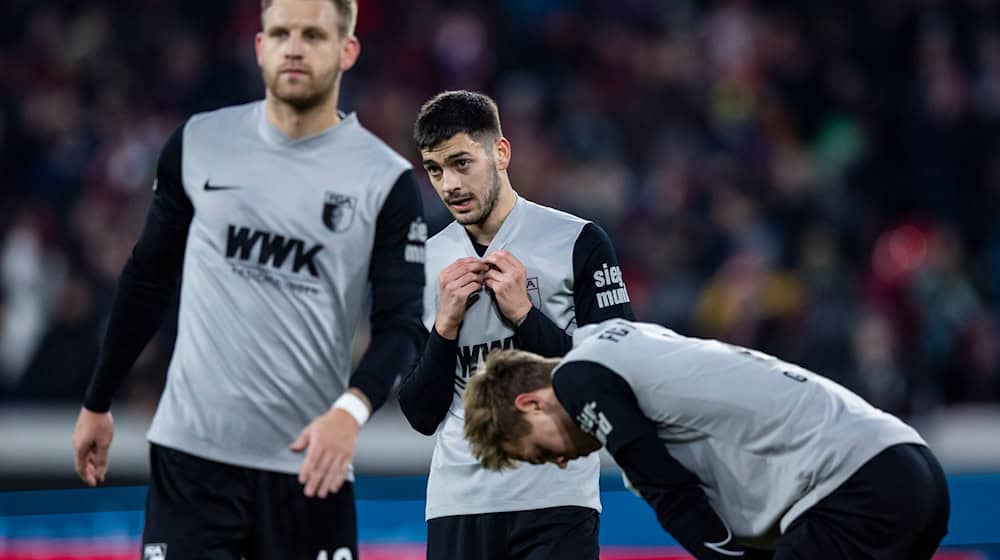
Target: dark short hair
348, 10
452, 112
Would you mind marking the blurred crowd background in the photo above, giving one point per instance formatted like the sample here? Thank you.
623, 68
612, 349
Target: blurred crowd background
818, 179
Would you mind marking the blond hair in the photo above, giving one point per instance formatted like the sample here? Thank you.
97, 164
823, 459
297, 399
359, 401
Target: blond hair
491, 419
347, 9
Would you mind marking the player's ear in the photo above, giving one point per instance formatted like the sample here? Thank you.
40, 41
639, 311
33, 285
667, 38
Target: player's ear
528, 402
350, 49
258, 46
501, 153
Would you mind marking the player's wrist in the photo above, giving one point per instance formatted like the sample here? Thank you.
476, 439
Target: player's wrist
353, 405
446, 329
520, 315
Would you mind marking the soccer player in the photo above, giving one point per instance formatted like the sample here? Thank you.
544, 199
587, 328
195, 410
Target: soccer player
280, 213
510, 274
732, 448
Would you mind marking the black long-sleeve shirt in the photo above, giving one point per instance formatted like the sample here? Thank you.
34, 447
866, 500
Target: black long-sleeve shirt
153, 270
673, 492
426, 392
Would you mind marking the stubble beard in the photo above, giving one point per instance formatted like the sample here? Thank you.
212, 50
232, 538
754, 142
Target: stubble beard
304, 101
488, 203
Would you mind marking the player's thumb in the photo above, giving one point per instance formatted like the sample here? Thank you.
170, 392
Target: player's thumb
80, 451
301, 442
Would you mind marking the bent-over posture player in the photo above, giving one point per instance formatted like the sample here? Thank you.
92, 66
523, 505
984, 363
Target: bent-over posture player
734, 449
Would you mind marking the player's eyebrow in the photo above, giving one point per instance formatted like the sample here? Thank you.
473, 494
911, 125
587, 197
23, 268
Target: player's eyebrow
462, 154
450, 158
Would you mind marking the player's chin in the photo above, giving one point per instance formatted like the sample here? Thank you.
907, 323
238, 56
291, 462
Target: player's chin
466, 218
297, 94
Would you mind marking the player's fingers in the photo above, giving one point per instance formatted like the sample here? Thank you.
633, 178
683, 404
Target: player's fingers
458, 263
93, 473
300, 442
99, 459
468, 278
464, 286
510, 263
329, 484
100, 456
317, 472
501, 259
86, 473
494, 261
339, 474
308, 465
496, 276
80, 458
467, 290
460, 268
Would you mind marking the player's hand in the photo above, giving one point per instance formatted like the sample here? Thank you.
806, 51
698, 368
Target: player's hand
508, 280
329, 443
91, 441
456, 283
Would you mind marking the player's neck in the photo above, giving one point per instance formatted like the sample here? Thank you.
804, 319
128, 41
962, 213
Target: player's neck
485, 232
296, 123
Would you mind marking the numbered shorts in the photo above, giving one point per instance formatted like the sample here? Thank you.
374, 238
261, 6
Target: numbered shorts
201, 509
557, 533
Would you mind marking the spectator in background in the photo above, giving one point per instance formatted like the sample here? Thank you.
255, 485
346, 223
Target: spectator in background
861, 116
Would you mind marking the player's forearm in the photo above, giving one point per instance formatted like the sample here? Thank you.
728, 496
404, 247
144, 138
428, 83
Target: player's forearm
681, 506
538, 334
140, 303
395, 345
148, 282
700, 531
425, 393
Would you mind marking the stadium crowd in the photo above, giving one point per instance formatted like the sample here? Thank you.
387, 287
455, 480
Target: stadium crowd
818, 180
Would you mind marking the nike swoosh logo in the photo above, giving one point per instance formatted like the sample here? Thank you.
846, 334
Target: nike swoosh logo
718, 546
209, 187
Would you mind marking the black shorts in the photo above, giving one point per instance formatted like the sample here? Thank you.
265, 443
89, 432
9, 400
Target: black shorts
557, 533
201, 509
895, 507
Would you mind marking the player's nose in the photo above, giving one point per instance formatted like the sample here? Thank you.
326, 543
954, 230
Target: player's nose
294, 46
451, 183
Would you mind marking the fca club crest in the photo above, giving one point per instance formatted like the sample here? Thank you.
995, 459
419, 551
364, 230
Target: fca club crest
533, 293
338, 211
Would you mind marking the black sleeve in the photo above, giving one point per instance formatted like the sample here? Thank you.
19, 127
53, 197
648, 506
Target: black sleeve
592, 253
148, 280
539, 334
598, 287
425, 393
397, 278
603, 405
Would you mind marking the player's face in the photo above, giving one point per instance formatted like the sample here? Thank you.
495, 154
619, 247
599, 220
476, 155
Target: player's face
553, 438
465, 175
301, 53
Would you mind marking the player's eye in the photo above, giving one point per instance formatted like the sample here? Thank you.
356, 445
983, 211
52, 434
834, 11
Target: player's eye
463, 163
279, 33
433, 171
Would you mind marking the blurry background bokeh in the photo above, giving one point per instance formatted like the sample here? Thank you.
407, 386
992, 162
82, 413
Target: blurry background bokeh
819, 180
